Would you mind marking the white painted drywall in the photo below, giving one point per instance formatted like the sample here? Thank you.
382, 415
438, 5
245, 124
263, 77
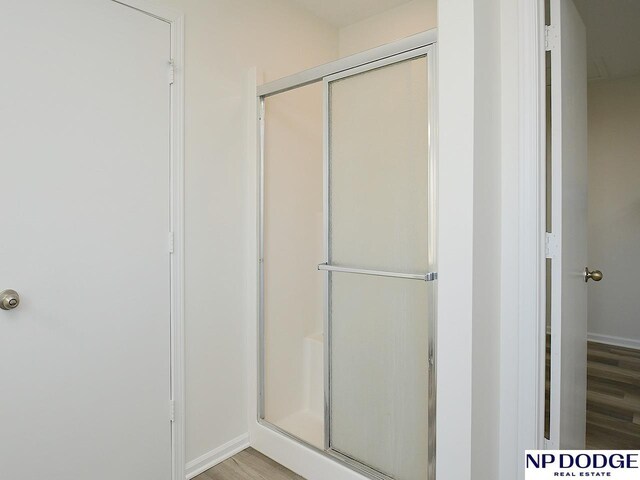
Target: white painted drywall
224, 39
614, 207
346, 12
393, 24
486, 240
508, 332
455, 237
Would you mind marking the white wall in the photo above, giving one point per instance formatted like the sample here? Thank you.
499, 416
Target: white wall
614, 207
508, 452
224, 39
486, 241
396, 23
455, 237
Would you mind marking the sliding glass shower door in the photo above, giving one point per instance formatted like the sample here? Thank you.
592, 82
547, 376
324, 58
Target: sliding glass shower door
373, 360
379, 263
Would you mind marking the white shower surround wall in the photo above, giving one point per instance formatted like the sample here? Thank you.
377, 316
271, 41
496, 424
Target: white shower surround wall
292, 242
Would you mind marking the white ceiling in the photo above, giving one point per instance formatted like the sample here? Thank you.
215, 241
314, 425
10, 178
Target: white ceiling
613, 37
341, 13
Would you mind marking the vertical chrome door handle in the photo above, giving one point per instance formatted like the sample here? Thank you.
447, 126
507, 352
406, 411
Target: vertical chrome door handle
9, 299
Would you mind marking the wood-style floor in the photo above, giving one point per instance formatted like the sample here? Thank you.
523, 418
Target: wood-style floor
613, 397
248, 465
613, 416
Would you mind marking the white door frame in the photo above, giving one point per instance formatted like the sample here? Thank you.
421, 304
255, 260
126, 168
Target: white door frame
175, 19
523, 225
531, 216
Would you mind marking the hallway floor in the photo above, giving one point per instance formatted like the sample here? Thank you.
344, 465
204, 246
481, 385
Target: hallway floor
613, 397
248, 465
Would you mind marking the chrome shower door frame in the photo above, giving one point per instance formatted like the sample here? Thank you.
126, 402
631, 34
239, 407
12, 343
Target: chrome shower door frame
421, 45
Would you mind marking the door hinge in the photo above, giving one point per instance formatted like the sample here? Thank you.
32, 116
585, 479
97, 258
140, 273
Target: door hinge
172, 242
172, 72
551, 245
172, 410
550, 38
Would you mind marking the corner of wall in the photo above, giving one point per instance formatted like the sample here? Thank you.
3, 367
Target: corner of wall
486, 240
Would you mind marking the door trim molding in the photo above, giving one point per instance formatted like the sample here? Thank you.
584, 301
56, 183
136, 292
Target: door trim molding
530, 272
175, 19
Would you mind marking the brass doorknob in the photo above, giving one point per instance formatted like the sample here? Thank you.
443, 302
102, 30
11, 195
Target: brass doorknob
9, 299
595, 275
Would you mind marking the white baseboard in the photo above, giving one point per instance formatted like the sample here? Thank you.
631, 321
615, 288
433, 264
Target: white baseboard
611, 340
215, 456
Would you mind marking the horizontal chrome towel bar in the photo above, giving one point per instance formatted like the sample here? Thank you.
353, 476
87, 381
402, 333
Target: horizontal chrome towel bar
426, 277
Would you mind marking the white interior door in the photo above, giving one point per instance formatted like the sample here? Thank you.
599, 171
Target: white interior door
84, 188
569, 225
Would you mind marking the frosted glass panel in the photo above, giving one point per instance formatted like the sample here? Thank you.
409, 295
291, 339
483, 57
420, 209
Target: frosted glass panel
293, 247
379, 372
378, 153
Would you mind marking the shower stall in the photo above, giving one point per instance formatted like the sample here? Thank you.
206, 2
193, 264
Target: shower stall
347, 259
